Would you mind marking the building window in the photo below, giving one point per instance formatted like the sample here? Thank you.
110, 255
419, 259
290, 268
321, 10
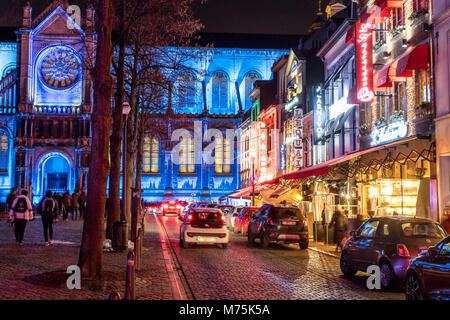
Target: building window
220, 92
365, 113
380, 35
187, 155
422, 86
398, 17
222, 154
186, 92
151, 155
249, 79
420, 5
383, 101
400, 96
4, 151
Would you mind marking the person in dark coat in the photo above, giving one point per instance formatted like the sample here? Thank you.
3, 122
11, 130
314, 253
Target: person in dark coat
11, 197
82, 200
48, 209
339, 221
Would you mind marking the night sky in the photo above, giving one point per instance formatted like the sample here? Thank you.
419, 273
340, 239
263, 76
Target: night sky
228, 16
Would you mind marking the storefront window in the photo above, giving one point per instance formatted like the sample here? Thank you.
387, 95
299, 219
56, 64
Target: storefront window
398, 18
420, 5
365, 113
422, 86
383, 101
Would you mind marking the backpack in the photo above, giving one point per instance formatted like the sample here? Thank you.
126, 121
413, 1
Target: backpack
21, 205
47, 207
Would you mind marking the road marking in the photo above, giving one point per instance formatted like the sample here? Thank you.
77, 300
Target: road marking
174, 281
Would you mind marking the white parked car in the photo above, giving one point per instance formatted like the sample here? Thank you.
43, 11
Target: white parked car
203, 226
231, 216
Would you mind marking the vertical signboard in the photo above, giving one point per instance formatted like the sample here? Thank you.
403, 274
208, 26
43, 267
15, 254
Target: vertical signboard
364, 62
262, 150
320, 114
298, 138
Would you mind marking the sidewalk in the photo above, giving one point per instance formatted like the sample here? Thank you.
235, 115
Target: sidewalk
329, 249
37, 272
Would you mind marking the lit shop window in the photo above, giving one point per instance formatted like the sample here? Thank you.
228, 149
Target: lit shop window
187, 155
220, 92
420, 5
400, 96
222, 155
398, 17
151, 154
383, 104
249, 79
4, 151
422, 86
365, 112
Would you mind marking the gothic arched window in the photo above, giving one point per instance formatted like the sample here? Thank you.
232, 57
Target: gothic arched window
151, 154
187, 155
4, 151
186, 93
223, 154
219, 85
249, 79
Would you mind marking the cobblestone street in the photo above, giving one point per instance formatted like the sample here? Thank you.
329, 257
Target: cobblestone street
239, 272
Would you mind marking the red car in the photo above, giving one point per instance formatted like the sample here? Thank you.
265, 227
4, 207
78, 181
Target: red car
241, 221
171, 206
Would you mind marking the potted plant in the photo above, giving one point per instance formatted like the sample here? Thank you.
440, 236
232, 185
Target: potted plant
380, 121
399, 29
398, 115
422, 109
419, 13
378, 44
364, 129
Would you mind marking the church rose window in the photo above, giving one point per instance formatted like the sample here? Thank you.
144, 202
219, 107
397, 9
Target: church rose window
60, 68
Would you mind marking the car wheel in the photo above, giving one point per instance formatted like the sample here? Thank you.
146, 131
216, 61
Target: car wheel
250, 238
345, 265
413, 290
224, 245
185, 245
303, 245
263, 240
387, 275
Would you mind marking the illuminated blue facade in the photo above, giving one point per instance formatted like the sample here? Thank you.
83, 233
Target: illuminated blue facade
46, 99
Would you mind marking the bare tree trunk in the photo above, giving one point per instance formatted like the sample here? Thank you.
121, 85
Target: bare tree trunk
116, 136
140, 150
91, 251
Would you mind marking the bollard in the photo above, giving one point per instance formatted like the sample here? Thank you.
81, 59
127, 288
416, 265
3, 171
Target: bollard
136, 251
130, 279
114, 296
140, 247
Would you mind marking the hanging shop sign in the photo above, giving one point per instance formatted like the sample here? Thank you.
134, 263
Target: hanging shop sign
283, 157
391, 132
298, 138
262, 149
291, 103
364, 62
320, 114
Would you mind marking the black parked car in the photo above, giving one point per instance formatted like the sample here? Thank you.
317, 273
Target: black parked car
390, 243
428, 275
276, 223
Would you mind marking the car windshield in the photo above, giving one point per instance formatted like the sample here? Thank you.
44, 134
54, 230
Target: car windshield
422, 229
284, 213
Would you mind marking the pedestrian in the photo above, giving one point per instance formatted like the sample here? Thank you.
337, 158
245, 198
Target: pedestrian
21, 211
67, 201
75, 205
82, 199
339, 221
48, 208
59, 200
10, 198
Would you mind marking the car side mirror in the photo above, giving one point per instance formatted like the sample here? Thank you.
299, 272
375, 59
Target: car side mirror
432, 251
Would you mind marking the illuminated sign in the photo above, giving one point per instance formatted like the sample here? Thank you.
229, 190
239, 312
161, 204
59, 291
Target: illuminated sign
392, 131
298, 138
292, 103
263, 150
364, 62
283, 157
320, 114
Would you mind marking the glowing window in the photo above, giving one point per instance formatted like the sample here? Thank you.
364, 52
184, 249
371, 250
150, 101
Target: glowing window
223, 155
4, 151
249, 79
151, 154
220, 92
187, 155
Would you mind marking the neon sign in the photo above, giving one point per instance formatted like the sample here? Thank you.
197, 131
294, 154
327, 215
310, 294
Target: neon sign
263, 149
319, 115
393, 131
291, 103
298, 138
364, 62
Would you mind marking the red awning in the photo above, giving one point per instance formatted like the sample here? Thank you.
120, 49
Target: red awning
383, 80
273, 181
318, 170
417, 58
393, 73
351, 35
244, 192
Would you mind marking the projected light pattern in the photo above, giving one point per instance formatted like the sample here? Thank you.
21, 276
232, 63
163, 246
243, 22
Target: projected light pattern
60, 69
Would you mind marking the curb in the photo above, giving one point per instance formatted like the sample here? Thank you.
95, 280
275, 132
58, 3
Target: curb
324, 252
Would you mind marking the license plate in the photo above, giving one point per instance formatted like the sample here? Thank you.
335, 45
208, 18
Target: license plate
289, 223
172, 207
206, 239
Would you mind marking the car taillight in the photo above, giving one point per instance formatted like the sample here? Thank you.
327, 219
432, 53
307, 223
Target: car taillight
189, 217
189, 234
224, 219
222, 235
402, 250
165, 206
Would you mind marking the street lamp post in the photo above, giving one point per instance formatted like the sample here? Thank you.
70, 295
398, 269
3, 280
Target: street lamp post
126, 110
252, 157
